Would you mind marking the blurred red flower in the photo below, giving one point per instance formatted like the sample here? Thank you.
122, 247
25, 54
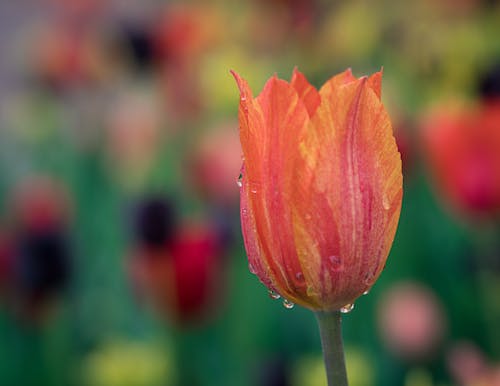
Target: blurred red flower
183, 280
462, 147
183, 34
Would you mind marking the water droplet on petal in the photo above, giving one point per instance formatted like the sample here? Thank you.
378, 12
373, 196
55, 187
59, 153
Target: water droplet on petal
251, 268
300, 277
385, 202
254, 187
288, 304
366, 292
238, 180
243, 98
274, 295
347, 308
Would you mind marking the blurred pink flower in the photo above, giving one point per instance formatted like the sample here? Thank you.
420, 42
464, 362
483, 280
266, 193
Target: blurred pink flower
40, 202
216, 163
469, 366
411, 320
133, 133
466, 362
65, 56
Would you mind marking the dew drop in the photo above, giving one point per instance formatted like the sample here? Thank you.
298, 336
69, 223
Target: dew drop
238, 180
347, 308
244, 211
243, 98
254, 187
252, 269
366, 292
385, 202
274, 295
288, 304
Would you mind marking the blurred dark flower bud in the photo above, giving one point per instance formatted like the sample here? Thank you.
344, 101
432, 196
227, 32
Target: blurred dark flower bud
225, 221
42, 267
138, 41
272, 373
489, 83
154, 222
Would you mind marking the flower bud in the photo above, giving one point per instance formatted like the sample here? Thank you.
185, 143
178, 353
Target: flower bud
321, 187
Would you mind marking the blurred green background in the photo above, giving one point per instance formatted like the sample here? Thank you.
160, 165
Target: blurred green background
121, 258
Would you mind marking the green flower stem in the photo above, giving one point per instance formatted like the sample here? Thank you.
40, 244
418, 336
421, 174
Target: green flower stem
333, 350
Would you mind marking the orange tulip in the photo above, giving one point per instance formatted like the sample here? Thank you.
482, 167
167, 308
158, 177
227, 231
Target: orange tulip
321, 187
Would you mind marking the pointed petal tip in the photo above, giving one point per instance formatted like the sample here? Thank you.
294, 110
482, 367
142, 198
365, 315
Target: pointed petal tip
375, 82
239, 80
245, 91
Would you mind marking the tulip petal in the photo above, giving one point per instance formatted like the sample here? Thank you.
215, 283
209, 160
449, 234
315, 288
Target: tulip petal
336, 81
352, 143
307, 93
375, 83
270, 143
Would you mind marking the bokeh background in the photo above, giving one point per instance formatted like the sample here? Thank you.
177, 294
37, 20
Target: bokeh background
121, 258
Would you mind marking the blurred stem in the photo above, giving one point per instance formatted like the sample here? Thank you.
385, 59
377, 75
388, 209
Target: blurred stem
333, 349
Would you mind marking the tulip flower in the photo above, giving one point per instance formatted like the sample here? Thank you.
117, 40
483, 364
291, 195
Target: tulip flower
320, 194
